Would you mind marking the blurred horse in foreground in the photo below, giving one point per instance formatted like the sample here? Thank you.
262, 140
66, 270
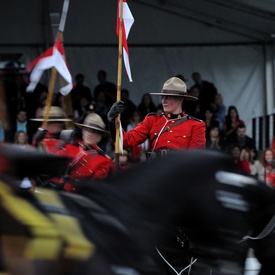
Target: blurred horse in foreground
186, 212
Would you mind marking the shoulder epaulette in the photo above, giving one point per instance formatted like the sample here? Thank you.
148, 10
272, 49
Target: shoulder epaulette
194, 118
154, 114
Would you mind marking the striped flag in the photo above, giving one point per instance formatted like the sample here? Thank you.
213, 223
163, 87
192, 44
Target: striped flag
127, 22
53, 57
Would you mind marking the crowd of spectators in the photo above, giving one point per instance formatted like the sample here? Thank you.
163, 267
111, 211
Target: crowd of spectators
225, 130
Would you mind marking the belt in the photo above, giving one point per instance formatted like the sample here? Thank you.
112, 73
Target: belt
157, 154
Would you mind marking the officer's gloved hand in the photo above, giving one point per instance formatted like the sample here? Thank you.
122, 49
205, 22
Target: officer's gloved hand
116, 109
40, 135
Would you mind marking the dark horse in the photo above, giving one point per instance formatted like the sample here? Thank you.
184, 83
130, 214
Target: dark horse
189, 207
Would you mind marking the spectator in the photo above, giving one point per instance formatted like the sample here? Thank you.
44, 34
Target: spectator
243, 140
240, 163
130, 108
232, 120
86, 108
248, 155
214, 140
265, 168
21, 121
41, 103
108, 88
207, 89
191, 107
2, 132
209, 119
146, 105
220, 110
79, 92
138, 152
101, 107
21, 138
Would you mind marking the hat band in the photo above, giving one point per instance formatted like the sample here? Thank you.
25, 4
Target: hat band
54, 117
93, 125
174, 92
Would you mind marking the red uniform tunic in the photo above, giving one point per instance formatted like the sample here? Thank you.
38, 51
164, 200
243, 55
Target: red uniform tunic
50, 143
88, 164
190, 134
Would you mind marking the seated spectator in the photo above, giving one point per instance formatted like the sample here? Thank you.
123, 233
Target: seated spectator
138, 152
146, 105
101, 108
129, 108
214, 140
78, 113
192, 107
21, 121
265, 168
108, 88
232, 120
241, 164
41, 103
207, 90
79, 92
87, 108
220, 110
248, 155
243, 140
2, 132
21, 138
209, 119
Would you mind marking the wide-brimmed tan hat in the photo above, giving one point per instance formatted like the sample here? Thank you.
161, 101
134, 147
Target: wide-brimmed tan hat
56, 114
93, 121
175, 87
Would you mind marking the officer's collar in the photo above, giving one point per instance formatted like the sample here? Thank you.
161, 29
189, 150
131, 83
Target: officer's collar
175, 116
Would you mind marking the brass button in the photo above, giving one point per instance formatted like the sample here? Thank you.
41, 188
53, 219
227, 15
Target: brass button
168, 141
184, 136
171, 131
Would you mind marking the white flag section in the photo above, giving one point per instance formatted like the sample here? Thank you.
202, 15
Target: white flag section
120, 139
53, 57
128, 21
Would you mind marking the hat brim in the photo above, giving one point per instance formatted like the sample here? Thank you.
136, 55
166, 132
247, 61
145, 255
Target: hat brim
177, 95
51, 119
84, 126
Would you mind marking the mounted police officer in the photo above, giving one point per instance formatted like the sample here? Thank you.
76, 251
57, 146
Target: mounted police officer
48, 138
171, 130
88, 161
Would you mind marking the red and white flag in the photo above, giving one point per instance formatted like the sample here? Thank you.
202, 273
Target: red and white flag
53, 57
127, 22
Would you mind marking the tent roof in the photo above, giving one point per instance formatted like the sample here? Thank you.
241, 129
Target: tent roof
157, 22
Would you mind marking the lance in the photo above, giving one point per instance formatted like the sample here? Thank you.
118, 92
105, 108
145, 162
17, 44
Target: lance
53, 70
119, 76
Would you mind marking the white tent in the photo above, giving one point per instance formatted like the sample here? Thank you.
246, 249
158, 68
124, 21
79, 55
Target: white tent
231, 43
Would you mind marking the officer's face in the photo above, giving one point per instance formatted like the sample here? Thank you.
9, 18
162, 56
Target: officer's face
55, 127
91, 136
172, 104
